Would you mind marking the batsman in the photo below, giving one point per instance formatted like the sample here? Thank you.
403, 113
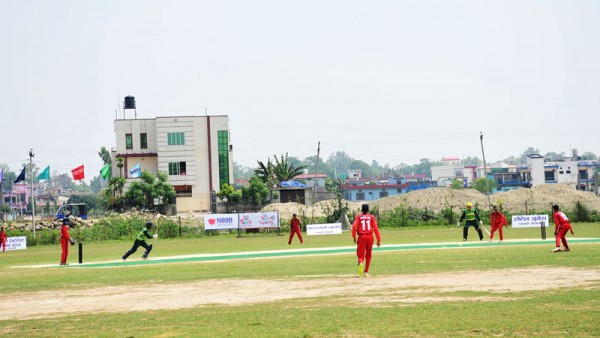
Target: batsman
472, 220
141, 241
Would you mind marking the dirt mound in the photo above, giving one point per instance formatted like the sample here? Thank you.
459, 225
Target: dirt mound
435, 200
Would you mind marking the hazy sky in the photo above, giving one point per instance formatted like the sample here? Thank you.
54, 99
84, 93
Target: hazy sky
392, 81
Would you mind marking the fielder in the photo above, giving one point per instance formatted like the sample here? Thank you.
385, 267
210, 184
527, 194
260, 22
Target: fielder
65, 240
497, 220
472, 220
141, 241
295, 229
561, 226
364, 225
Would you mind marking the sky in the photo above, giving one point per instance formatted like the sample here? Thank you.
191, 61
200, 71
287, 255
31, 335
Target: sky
388, 81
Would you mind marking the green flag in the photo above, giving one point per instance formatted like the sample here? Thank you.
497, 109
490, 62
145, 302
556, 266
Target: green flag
44, 175
106, 172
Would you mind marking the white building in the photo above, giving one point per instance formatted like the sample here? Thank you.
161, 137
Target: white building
195, 151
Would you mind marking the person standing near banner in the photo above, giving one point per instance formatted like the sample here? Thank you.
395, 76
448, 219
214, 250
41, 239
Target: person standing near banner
3, 239
295, 229
65, 240
497, 220
364, 226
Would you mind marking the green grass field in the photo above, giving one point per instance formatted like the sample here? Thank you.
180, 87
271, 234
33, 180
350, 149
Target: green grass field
572, 311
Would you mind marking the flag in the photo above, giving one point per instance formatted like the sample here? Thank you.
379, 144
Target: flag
21, 176
135, 172
106, 172
78, 173
1, 175
45, 175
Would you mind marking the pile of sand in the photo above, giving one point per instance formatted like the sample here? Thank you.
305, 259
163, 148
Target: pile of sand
437, 199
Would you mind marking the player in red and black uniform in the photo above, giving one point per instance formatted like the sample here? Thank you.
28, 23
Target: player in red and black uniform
561, 227
295, 229
364, 226
497, 220
2, 239
65, 240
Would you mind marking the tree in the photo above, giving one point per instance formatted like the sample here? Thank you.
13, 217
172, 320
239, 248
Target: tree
141, 193
472, 161
228, 193
120, 165
105, 156
522, 159
284, 170
340, 161
484, 185
9, 177
96, 184
112, 196
242, 172
256, 192
589, 156
456, 184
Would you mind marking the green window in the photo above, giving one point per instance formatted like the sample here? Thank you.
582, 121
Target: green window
223, 140
176, 139
144, 141
128, 141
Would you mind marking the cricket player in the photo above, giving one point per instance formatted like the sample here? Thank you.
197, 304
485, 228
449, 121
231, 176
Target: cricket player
3, 239
497, 220
65, 240
472, 220
141, 241
561, 227
295, 229
364, 226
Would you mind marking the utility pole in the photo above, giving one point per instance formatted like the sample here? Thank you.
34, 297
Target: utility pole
487, 185
31, 155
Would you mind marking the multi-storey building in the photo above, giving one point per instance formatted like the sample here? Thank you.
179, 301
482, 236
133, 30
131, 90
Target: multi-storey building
194, 151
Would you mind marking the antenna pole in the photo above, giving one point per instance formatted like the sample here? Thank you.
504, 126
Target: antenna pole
31, 155
487, 185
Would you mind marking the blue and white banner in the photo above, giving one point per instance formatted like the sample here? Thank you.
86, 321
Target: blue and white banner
16, 243
529, 221
135, 172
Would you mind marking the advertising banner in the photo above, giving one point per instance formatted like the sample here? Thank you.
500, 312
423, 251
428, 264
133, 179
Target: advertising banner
529, 221
259, 220
220, 221
16, 243
324, 229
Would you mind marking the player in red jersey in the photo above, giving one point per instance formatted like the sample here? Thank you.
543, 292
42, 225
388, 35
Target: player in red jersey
561, 227
295, 229
497, 220
65, 240
3, 239
364, 225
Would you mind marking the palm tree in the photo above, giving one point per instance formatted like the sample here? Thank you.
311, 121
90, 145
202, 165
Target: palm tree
120, 165
285, 171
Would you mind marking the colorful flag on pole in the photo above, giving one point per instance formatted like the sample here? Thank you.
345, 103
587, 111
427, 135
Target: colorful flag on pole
135, 172
78, 173
1, 175
44, 175
21, 176
106, 172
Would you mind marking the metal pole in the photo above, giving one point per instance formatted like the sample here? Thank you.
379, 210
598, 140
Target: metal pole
31, 155
80, 252
485, 171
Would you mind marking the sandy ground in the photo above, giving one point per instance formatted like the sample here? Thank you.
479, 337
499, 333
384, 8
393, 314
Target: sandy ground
376, 290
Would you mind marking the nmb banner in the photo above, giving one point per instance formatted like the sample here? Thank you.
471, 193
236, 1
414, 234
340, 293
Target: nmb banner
16, 243
220, 221
529, 221
324, 229
259, 220
241, 221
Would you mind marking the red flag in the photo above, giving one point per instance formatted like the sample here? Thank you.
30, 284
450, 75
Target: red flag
78, 173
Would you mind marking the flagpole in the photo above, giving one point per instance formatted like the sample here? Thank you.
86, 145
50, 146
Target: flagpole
31, 155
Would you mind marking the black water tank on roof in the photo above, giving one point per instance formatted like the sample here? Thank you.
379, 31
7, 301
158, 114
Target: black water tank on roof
129, 102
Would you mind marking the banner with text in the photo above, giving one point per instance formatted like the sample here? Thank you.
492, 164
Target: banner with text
324, 229
16, 243
259, 220
528, 221
242, 221
220, 221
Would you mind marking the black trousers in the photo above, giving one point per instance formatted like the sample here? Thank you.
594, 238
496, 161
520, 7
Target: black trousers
473, 224
136, 245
